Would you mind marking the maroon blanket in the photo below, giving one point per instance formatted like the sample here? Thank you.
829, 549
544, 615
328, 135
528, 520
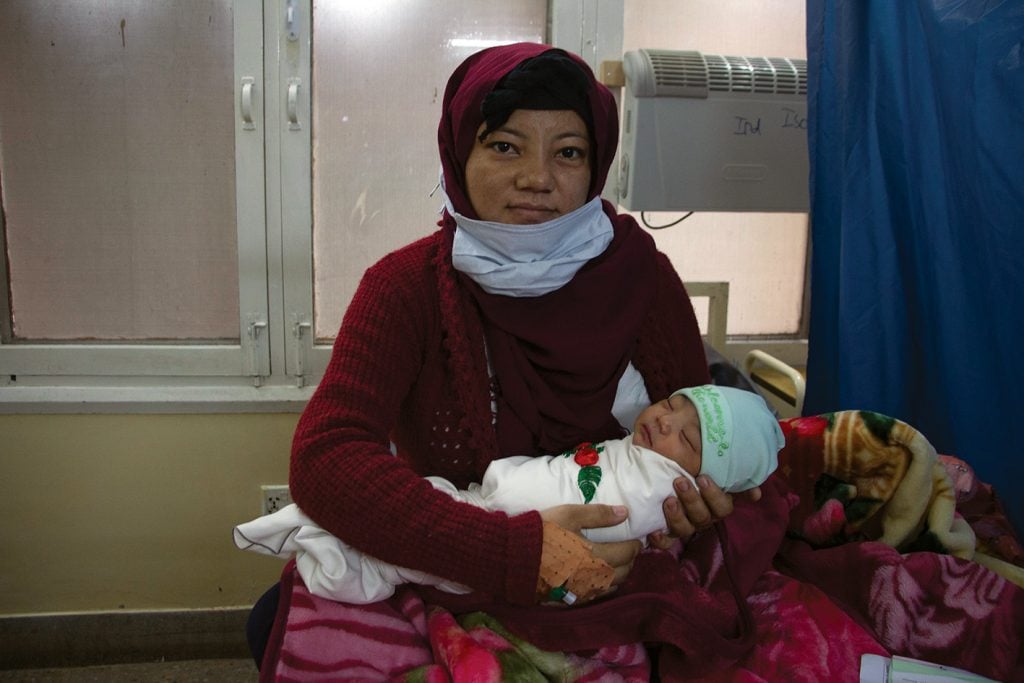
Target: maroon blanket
751, 600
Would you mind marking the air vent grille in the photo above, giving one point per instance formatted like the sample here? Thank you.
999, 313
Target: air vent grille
678, 70
684, 70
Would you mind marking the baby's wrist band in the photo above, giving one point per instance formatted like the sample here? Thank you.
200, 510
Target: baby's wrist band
562, 593
568, 572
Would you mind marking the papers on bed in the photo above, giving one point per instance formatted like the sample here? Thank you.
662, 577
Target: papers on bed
878, 669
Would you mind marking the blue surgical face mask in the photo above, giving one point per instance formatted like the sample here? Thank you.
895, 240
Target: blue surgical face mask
528, 260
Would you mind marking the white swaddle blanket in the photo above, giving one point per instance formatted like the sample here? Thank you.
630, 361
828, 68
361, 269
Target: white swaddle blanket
631, 475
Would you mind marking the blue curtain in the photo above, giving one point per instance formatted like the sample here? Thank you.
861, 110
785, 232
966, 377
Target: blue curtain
916, 140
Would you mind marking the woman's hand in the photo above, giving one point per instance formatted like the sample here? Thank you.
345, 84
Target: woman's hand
618, 555
694, 509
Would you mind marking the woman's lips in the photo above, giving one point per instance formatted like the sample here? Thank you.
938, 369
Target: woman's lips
532, 212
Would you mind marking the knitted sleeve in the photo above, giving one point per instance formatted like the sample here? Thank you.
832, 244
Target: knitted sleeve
344, 476
670, 351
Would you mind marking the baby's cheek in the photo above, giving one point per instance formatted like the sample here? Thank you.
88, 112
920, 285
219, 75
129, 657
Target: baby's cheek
694, 462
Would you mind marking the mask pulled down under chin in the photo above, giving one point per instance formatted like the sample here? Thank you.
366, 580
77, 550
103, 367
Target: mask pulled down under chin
529, 260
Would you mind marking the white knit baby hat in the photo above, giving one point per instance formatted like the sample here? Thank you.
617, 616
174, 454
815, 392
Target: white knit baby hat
740, 437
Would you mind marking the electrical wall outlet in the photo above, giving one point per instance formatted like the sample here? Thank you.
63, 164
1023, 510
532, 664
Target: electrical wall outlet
274, 497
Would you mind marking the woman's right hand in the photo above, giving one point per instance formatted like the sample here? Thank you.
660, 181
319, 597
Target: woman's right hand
694, 509
618, 555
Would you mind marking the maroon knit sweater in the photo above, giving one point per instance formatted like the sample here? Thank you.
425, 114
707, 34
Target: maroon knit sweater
408, 367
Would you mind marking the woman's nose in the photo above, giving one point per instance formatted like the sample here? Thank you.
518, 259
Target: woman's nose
535, 174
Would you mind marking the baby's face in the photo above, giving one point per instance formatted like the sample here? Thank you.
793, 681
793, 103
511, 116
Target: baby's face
672, 429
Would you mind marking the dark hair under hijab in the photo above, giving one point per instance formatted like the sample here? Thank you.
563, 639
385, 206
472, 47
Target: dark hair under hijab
550, 81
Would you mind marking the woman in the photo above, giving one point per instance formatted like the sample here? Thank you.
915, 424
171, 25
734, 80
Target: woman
534, 319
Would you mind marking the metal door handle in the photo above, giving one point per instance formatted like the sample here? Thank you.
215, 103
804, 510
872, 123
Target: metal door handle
293, 104
248, 83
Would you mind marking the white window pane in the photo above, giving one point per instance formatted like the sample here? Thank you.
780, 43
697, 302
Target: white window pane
379, 72
762, 256
117, 168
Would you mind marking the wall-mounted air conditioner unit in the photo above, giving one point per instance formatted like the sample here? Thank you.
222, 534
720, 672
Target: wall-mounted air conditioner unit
706, 132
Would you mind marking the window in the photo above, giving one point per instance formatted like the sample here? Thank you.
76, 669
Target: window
359, 183
191, 191
123, 248
375, 127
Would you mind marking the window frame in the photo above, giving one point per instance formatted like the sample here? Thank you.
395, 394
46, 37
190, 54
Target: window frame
276, 363
56, 363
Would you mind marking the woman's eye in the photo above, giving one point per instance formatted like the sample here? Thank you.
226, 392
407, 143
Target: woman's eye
571, 153
502, 147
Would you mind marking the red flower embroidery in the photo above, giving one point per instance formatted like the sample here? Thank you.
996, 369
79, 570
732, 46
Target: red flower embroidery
586, 454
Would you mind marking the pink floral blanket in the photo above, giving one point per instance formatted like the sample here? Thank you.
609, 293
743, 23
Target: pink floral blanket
753, 600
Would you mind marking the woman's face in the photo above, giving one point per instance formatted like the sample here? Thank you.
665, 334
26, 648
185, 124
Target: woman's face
534, 168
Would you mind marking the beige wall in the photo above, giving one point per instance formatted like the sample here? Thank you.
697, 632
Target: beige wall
107, 512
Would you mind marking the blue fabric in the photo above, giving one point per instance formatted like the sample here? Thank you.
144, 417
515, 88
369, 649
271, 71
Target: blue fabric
916, 140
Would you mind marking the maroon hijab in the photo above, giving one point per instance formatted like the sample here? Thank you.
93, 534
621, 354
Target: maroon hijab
557, 358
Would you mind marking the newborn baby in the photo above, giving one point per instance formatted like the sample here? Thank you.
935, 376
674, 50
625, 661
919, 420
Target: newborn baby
726, 433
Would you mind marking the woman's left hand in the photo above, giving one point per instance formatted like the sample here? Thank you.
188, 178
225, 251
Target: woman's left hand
619, 555
694, 509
